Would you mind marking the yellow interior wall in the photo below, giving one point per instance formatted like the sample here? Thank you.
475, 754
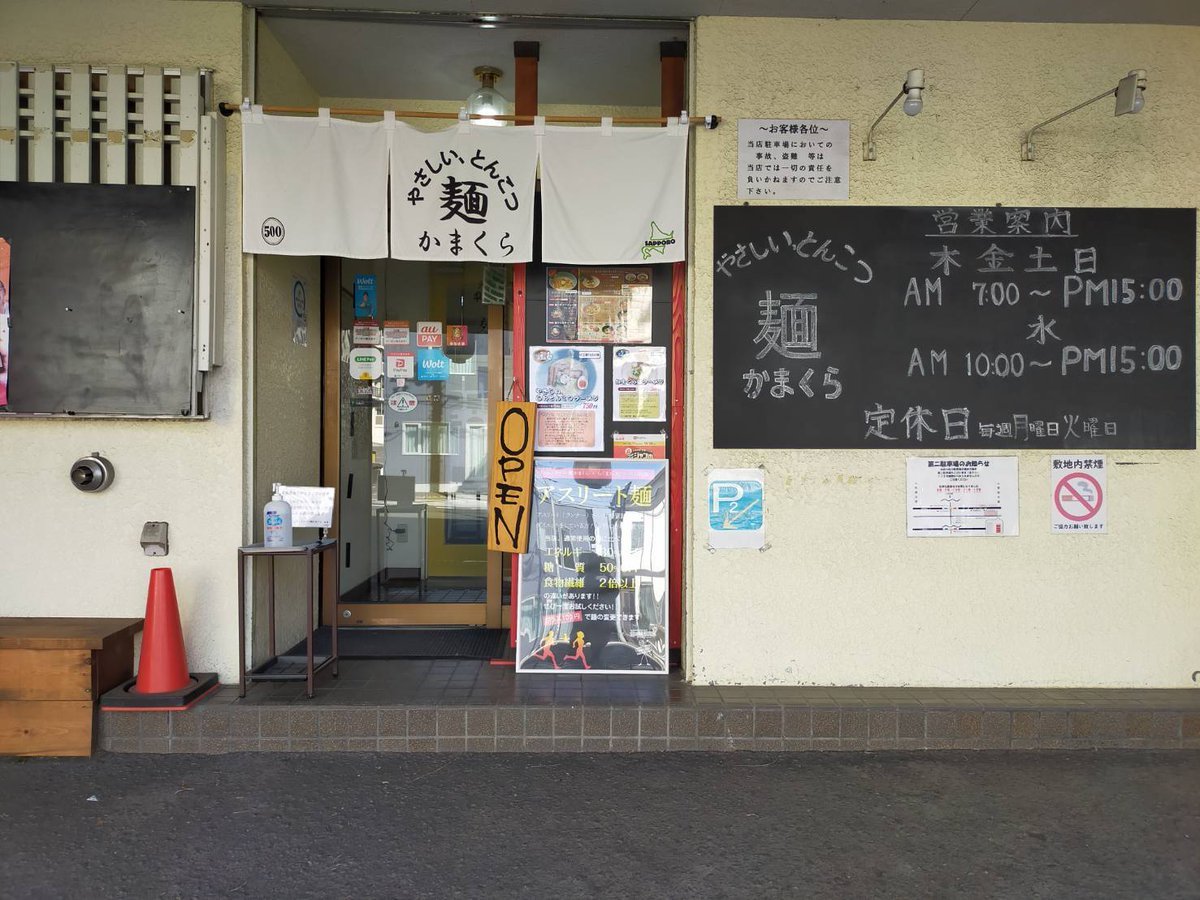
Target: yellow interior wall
842, 596
64, 553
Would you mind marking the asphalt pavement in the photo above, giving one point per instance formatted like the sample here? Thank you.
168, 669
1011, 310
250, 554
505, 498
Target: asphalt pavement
660, 825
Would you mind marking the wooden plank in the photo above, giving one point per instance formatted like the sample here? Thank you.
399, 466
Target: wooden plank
62, 633
116, 139
46, 675
78, 156
10, 124
41, 145
185, 157
46, 727
151, 168
114, 664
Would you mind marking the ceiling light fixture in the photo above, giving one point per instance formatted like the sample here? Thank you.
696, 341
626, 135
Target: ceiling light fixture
1130, 93
485, 100
912, 91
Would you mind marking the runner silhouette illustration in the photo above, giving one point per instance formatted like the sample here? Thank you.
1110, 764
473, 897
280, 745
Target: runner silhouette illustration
547, 643
578, 654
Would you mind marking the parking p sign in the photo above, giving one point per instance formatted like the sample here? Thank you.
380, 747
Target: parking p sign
735, 509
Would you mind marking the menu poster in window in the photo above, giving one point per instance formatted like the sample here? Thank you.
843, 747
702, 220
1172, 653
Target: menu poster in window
640, 384
598, 305
5, 268
593, 584
567, 384
562, 305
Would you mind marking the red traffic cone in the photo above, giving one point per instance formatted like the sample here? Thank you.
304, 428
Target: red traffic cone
163, 681
163, 666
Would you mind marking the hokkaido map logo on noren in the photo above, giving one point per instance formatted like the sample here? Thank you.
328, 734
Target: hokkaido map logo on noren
658, 241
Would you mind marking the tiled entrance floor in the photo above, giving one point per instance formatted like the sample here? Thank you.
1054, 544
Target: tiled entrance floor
457, 705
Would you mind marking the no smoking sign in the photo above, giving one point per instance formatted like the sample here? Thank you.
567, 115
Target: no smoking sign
1078, 494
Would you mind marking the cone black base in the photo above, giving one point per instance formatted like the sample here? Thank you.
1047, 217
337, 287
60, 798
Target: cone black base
123, 698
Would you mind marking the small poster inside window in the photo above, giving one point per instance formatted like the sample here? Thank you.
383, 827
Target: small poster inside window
640, 384
639, 446
567, 384
364, 297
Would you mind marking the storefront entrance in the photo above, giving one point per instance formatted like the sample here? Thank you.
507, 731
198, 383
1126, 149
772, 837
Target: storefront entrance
419, 361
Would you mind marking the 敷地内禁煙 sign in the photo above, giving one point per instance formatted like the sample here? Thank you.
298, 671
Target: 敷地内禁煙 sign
510, 489
1078, 494
592, 588
962, 496
793, 159
463, 194
736, 518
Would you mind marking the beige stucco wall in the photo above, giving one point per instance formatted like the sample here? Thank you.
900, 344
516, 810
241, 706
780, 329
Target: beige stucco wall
842, 596
64, 553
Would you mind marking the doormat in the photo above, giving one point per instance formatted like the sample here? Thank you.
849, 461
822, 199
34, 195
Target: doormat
409, 643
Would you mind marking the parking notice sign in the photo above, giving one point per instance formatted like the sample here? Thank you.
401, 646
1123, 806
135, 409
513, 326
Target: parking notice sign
735, 509
1078, 495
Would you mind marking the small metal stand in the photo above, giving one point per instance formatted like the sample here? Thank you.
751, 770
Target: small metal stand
285, 668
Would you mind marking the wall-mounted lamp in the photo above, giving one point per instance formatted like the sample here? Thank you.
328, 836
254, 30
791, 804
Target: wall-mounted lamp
1130, 93
912, 91
485, 100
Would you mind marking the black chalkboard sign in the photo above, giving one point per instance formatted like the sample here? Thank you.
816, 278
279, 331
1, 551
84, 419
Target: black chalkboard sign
943, 328
101, 298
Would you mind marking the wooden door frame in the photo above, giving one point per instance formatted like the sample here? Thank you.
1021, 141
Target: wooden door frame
379, 613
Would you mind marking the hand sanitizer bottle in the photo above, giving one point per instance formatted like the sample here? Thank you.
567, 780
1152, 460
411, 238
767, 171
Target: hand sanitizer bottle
277, 522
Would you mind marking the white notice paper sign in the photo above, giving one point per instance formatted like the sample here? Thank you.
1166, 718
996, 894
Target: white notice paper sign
793, 159
1078, 495
312, 507
962, 496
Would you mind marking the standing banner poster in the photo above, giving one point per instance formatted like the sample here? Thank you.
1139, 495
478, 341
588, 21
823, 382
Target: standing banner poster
314, 186
463, 194
613, 196
5, 282
592, 591
567, 384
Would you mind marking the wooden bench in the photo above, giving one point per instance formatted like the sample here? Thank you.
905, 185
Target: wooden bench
52, 672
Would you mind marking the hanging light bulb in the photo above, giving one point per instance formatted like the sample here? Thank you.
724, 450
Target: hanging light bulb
485, 100
913, 87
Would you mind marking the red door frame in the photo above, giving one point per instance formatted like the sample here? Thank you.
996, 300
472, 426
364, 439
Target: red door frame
675, 465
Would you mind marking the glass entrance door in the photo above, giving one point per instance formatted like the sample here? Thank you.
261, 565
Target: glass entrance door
423, 362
